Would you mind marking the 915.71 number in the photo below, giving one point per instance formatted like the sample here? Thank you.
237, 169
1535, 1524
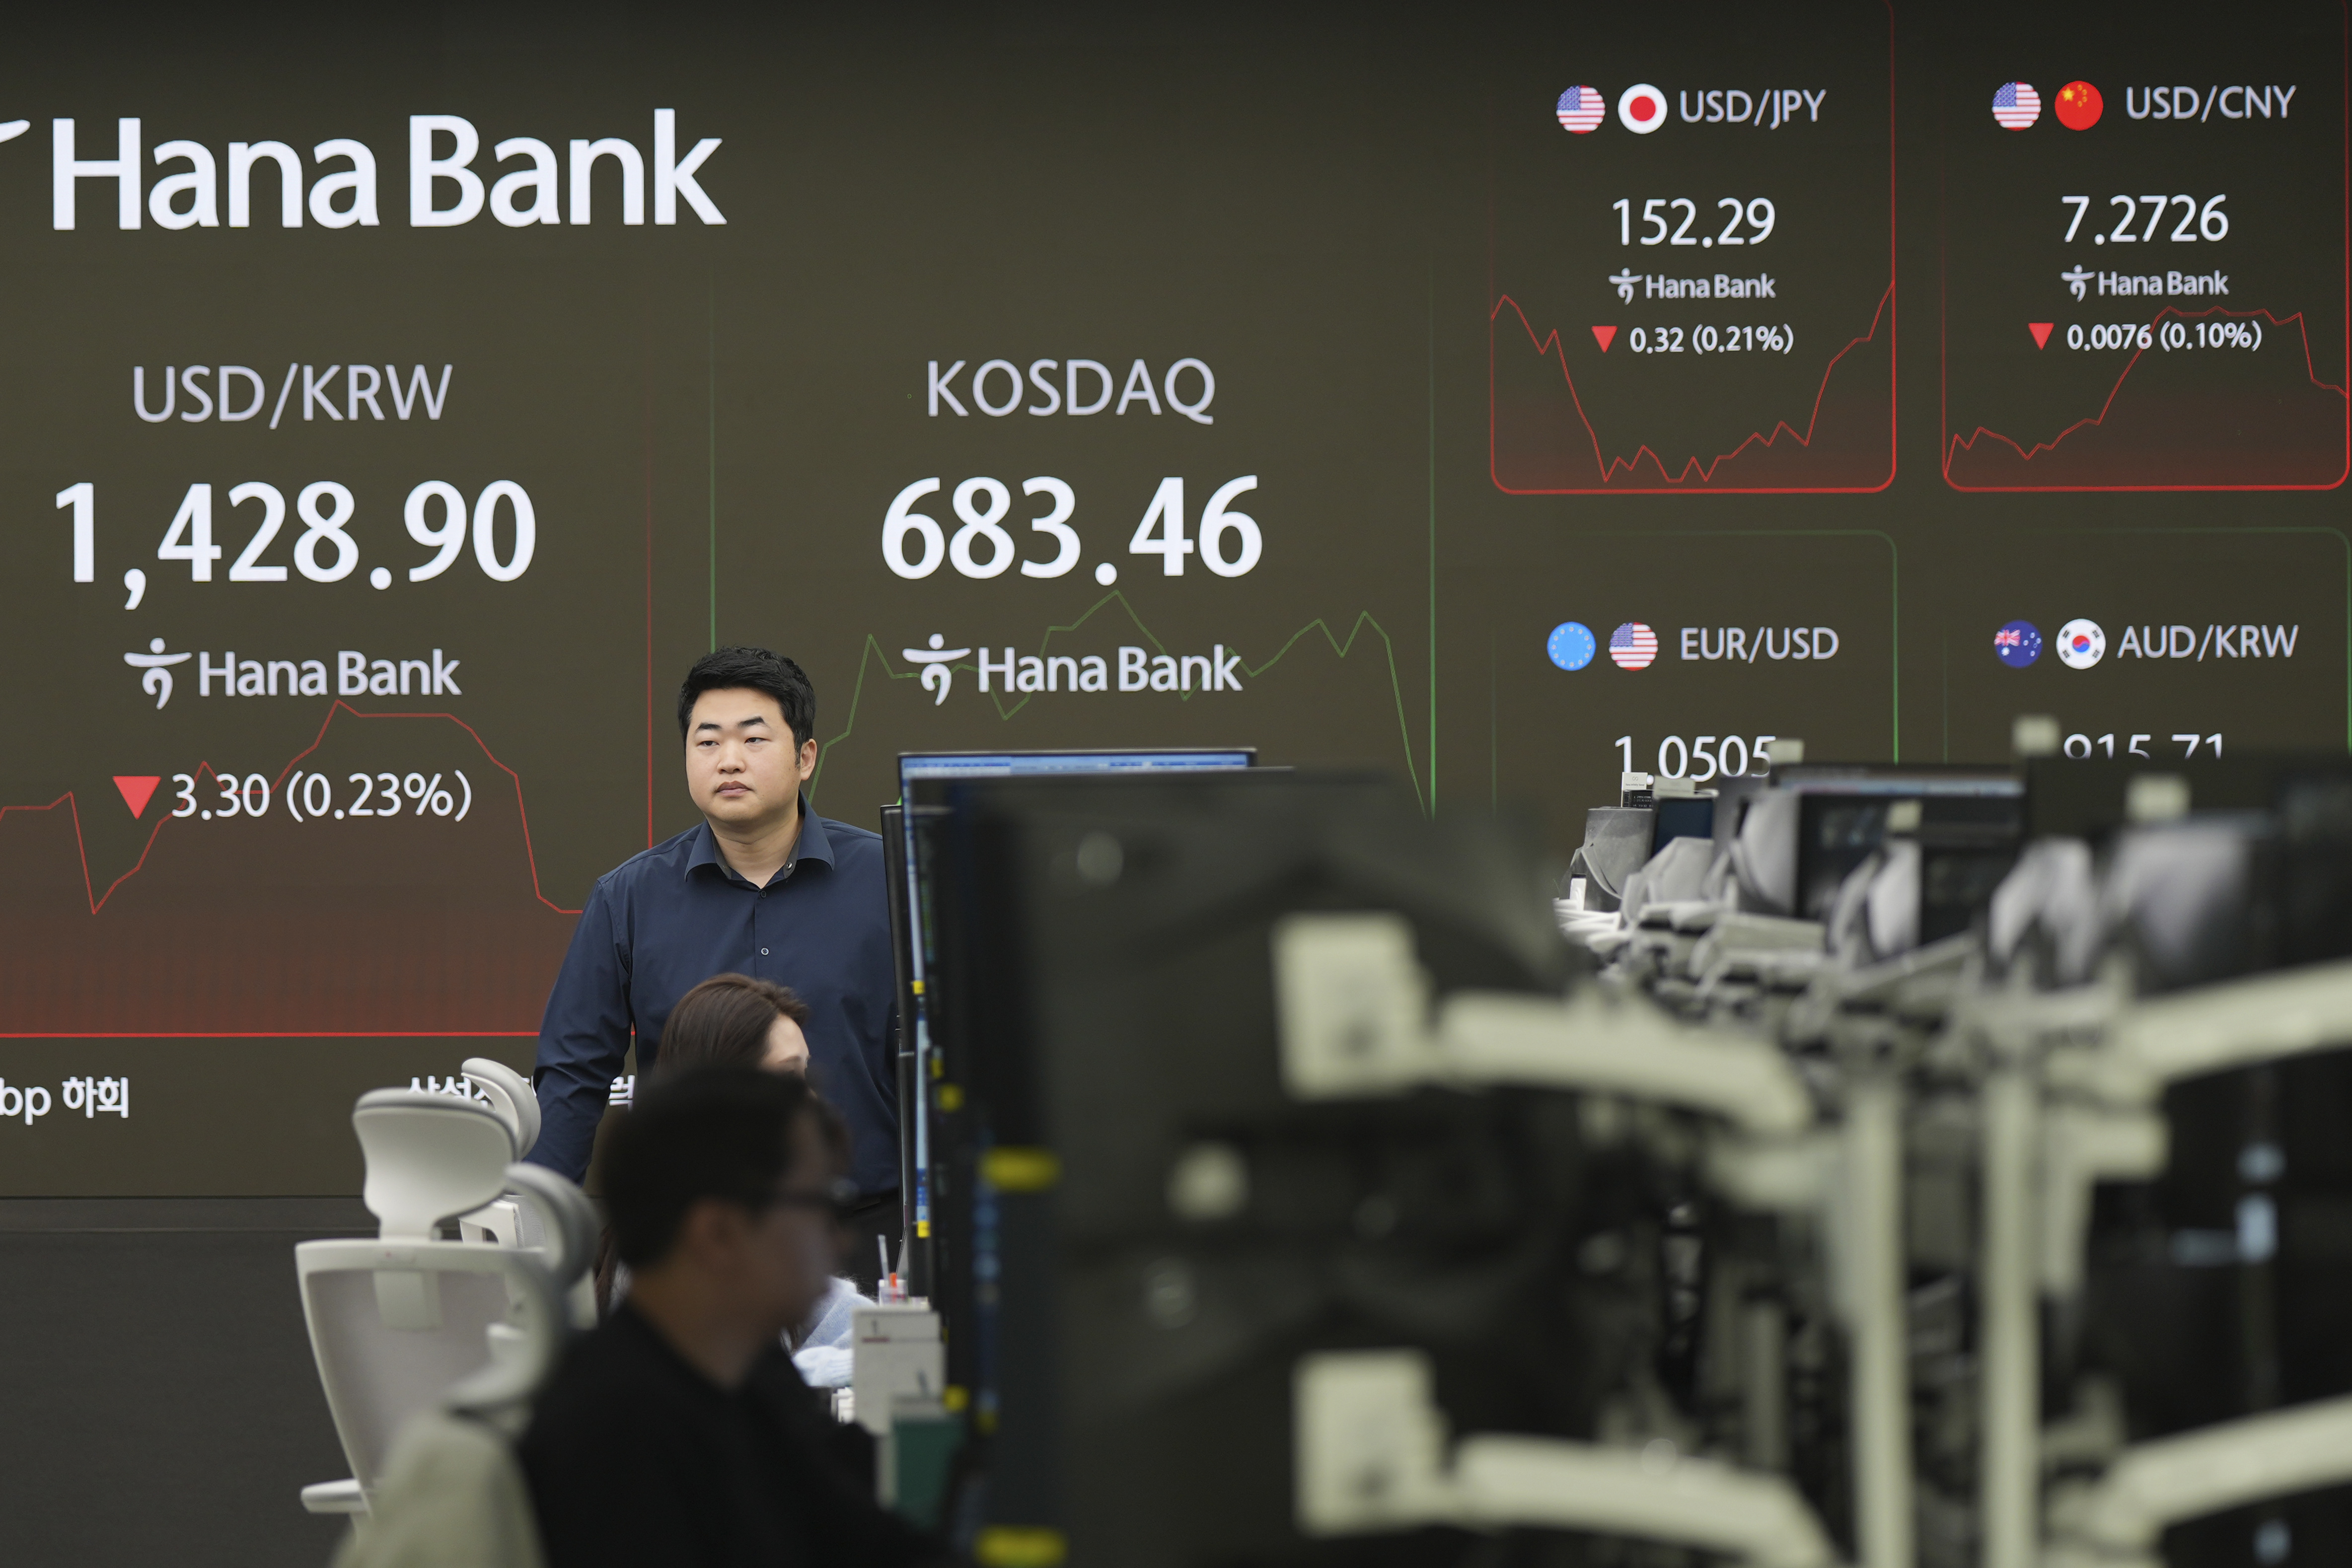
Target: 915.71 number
2080, 746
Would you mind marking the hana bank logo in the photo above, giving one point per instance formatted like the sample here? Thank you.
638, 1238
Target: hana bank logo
938, 665
1126, 669
157, 681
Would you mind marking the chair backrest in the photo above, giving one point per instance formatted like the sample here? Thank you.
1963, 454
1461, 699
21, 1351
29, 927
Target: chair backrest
454, 1496
512, 1095
566, 1219
545, 1215
430, 1157
398, 1326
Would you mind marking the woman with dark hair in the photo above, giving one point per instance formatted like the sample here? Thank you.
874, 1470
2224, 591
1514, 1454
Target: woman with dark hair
736, 1021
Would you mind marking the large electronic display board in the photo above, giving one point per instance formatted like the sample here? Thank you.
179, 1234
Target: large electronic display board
1501, 396
1695, 286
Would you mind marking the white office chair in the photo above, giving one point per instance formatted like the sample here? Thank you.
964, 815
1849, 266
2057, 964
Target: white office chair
538, 1210
504, 1220
511, 1096
398, 1320
451, 1493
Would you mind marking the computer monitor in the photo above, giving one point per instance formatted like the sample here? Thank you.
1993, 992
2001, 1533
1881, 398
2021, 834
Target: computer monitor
894, 877
1106, 1018
2311, 887
2089, 798
1683, 817
1970, 823
922, 775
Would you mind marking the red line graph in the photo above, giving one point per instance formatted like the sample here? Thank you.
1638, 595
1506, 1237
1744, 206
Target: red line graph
271, 929
1833, 472
1955, 446
98, 900
271, 1034
1611, 469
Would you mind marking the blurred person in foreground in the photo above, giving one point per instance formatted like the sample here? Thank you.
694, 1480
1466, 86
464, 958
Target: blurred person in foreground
679, 1432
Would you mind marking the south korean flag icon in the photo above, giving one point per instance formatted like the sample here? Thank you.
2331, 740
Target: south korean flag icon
2080, 644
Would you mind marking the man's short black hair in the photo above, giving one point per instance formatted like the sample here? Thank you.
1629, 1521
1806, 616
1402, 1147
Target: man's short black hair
752, 669
727, 1133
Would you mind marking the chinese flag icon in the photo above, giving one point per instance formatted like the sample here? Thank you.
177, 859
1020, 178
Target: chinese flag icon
2079, 105
138, 788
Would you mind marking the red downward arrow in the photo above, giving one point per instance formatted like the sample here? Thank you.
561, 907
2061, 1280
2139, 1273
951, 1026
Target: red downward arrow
2040, 331
1604, 336
137, 789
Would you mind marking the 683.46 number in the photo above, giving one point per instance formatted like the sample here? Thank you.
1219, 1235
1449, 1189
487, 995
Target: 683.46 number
914, 544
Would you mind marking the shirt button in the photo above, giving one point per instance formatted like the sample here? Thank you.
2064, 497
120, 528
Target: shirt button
763, 952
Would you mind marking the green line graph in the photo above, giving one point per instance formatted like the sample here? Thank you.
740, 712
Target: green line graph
873, 653
711, 395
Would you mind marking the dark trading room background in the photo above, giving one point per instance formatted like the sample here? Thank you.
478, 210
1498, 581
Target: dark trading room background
1324, 363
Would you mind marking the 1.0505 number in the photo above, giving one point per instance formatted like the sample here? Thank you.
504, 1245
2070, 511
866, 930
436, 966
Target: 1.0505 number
1717, 757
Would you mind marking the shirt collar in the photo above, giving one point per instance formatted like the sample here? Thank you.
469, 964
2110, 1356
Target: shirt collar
814, 845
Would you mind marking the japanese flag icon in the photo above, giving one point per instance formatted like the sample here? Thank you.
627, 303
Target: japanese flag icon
1641, 108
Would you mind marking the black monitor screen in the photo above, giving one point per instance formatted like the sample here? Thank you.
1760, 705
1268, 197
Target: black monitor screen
924, 775
1844, 812
1107, 1013
1693, 817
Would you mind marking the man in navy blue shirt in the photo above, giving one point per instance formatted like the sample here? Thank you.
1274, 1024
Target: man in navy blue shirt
761, 888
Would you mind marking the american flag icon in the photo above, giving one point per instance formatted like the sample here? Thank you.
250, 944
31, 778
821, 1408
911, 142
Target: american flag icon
1580, 110
1633, 646
2016, 106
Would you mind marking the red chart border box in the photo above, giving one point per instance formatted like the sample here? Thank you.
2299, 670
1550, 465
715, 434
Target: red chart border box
1946, 439
1885, 317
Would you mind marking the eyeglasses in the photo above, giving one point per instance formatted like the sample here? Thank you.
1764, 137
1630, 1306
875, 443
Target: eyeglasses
835, 1201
